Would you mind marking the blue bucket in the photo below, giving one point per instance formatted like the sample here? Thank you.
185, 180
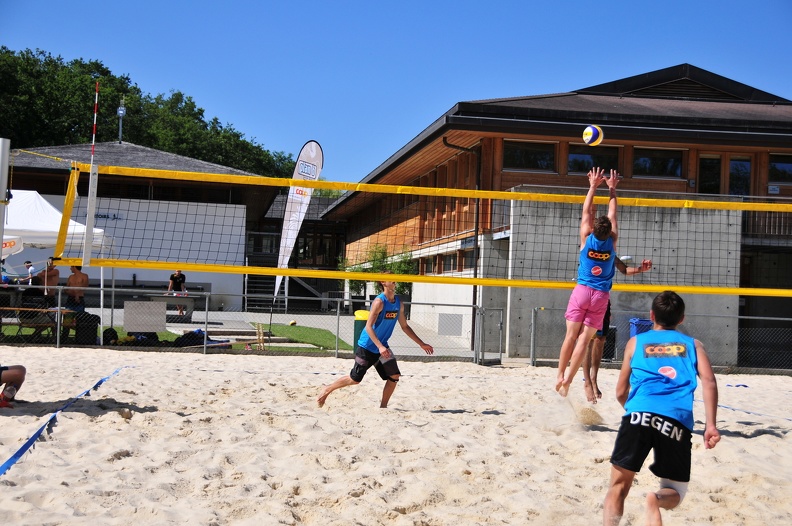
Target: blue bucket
639, 325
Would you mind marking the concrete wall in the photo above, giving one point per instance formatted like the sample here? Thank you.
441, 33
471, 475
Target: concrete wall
687, 246
453, 322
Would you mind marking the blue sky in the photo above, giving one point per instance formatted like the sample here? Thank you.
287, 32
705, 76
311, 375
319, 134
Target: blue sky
364, 78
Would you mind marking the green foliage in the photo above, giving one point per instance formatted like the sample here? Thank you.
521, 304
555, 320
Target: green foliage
403, 264
378, 261
46, 101
356, 287
321, 192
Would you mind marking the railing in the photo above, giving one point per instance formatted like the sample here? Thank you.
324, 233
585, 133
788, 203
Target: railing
325, 326
733, 343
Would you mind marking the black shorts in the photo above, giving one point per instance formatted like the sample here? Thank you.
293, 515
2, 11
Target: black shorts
603, 332
670, 440
364, 359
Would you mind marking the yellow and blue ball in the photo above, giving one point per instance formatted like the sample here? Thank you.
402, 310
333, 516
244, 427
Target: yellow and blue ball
593, 135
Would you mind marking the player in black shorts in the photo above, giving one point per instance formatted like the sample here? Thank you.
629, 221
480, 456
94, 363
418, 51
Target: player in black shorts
658, 378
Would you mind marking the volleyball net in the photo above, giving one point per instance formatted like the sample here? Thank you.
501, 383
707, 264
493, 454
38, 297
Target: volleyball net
526, 237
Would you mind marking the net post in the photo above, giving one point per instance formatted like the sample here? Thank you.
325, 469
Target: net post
90, 216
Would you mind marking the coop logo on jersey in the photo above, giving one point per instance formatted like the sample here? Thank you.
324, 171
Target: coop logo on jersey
665, 350
391, 315
599, 256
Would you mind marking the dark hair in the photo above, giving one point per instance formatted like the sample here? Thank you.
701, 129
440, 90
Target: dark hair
602, 228
668, 309
78, 267
28, 263
378, 284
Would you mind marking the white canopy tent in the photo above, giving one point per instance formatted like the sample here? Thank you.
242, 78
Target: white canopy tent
37, 222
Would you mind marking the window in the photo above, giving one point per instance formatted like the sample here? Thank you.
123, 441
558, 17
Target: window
429, 265
468, 259
740, 176
584, 158
305, 249
780, 168
658, 163
529, 156
449, 263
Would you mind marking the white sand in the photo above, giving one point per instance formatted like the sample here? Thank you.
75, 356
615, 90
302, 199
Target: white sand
217, 439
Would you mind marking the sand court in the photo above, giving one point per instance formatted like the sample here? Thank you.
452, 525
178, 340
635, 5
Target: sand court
223, 439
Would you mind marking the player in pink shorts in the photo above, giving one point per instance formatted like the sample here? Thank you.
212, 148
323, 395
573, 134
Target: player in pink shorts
589, 299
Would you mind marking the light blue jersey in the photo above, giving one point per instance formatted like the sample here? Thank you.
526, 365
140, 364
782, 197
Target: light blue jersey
383, 325
664, 375
597, 264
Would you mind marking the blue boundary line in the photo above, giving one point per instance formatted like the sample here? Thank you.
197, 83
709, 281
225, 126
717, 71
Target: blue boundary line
50, 423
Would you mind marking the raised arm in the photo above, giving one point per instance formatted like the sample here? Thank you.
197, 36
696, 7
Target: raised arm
595, 176
613, 180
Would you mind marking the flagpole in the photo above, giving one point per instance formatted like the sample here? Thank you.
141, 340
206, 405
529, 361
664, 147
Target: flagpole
93, 180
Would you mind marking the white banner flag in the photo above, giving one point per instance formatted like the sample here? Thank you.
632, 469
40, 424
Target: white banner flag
309, 165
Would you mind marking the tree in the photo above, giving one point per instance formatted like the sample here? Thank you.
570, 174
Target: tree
46, 101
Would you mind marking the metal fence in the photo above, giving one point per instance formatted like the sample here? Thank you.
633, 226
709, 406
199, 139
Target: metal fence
138, 319
733, 343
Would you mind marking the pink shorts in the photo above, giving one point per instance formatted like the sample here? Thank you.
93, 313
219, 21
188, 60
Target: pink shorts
587, 305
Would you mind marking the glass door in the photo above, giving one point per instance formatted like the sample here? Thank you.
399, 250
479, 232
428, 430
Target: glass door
709, 174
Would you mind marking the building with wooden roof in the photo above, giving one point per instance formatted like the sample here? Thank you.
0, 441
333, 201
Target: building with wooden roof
680, 130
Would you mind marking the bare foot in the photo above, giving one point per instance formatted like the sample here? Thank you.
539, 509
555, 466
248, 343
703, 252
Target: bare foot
587, 387
559, 382
595, 388
563, 389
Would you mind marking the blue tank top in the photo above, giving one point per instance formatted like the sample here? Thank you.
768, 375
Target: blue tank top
597, 263
664, 375
383, 325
